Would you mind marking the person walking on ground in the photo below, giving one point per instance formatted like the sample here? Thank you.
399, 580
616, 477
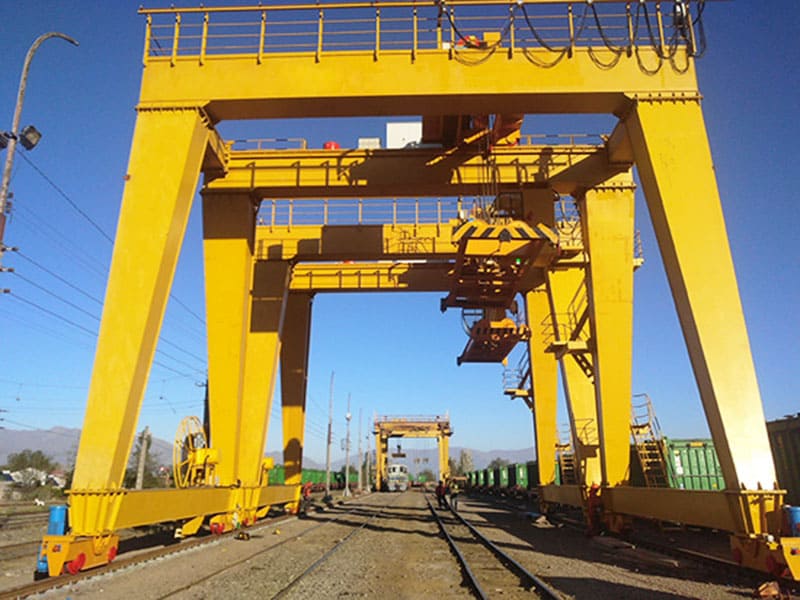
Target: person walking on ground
440, 494
454, 495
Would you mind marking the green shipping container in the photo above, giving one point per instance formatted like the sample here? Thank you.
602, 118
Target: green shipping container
693, 465
276, 476
488, 475
520, 475
501, 477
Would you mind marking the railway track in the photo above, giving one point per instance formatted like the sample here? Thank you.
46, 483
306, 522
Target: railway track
123, 562
23, 519
487, 567
710, 564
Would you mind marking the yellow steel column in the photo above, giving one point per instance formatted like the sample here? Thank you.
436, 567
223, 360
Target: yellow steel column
381, 447
444, 457
166, 153
564, 286
538, 208
607, 224
269, 300
677, 175
294, 378
544, 376
228, 232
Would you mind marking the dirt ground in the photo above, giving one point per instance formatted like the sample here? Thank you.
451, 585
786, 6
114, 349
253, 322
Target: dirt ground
399, 553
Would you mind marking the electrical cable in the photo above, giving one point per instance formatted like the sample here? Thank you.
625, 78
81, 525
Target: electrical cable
56, 296
63, 194
94, 224
96, 318
61, 279
90, 332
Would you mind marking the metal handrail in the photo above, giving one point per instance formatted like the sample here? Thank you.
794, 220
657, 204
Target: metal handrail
462, 27
358, 211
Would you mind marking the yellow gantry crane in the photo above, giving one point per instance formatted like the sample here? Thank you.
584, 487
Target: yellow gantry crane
386, 427
282, 226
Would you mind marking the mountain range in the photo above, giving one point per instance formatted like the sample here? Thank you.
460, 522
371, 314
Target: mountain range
61, 445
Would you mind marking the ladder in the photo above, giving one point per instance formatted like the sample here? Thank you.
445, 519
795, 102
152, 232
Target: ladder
649, 444
566, 464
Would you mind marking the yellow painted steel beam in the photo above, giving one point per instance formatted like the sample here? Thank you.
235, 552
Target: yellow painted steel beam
608, 224
164, 165
431, 276
318, 173
294, 378
228, 230
133, 508
721, 510
359, 83
269, 299
353, 242
677, 176
570, 495
538, 208
544, 375
564, 286
444, 457
597, 168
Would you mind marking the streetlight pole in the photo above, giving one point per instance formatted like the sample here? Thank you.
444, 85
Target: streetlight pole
12, 142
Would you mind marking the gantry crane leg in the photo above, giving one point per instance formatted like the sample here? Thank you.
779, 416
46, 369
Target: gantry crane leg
607, 228
228, 229
563, 284
381, 458
677, 175
245, 304
444, 457
294, 379
538, 208
166, 154
544, 375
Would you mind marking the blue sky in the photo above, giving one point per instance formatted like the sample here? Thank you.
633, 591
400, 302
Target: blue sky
392, 353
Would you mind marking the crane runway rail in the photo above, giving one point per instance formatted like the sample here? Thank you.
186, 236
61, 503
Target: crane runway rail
479, 558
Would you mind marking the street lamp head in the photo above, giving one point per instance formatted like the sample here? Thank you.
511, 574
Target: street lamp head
4, 138
29, 137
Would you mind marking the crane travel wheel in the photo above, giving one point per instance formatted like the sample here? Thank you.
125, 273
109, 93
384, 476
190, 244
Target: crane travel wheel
193, 461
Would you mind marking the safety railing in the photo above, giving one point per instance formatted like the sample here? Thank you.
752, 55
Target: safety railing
544, 30
290, 143
411, 418
358, 211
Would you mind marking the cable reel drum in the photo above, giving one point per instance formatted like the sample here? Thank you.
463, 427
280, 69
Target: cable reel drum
193, 462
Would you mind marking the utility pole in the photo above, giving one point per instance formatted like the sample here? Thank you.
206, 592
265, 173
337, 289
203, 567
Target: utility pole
348, 416
330, 441
360, 456
11, 138
369, 464
144, 446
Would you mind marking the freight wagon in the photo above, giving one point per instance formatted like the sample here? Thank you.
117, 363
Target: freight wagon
784, 438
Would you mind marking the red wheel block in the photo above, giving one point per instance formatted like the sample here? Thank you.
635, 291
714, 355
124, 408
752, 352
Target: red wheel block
76, 564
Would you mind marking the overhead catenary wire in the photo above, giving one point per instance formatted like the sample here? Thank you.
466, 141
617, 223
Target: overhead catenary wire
89, 331
96, 318
95, 225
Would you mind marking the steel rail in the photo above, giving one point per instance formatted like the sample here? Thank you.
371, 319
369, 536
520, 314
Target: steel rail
720, 565
472, 579
122, 562
322, 559
507, 561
